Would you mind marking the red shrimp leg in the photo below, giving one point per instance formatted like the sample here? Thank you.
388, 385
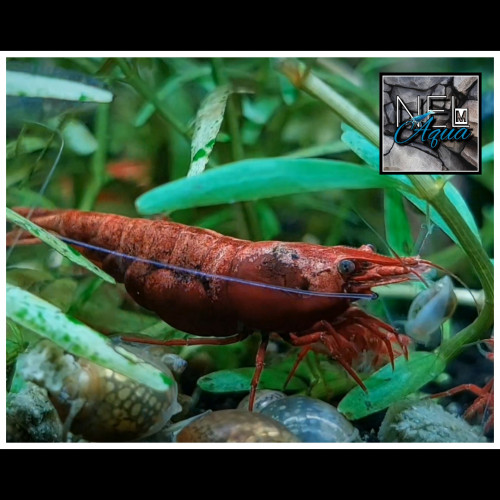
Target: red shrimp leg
478, 391
380, 329
300, 358
328, 339
484, 399
259, 366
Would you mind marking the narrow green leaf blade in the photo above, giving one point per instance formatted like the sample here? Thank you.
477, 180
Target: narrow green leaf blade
34, 313
367, 151
57, 244
250, 180
207, 125
26, 84
397, 226
488, 152
461, 205
387, 386
240, 379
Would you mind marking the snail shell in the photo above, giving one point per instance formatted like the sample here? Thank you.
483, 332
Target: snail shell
96, 402
235, 426
312, 420
262, 398
429, 310
425, 421
156, 355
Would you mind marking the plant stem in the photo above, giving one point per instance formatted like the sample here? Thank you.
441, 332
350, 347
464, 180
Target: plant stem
408, 291
432, 191
134, 79
98, 165
305, 80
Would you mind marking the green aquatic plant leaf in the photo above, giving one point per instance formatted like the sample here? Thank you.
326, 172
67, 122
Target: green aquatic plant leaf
207, 125
360, 145
47, 320
386, 386
58, 245
370, 154
397, 225
23, 84
239, 380
250, 180
488, 152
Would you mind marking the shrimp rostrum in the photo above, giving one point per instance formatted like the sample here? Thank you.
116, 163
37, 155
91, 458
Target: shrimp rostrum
223, 289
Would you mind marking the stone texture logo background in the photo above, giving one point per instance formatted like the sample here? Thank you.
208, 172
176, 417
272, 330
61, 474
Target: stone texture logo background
449, 156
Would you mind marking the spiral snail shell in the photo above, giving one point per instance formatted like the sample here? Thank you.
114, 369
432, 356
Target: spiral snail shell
235, 426
96, 402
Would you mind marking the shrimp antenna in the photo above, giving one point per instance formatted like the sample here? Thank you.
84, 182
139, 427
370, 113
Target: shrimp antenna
431, 264
391, 250
422, 237
204, 275
454, 276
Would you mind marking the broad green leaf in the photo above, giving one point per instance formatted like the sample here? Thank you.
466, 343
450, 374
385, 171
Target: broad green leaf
57, 244
23, 84
369, 153
326, 378
332, 382
487, 152
397, 226
36, 314
387, 386
250, 180
207, 125
239, 380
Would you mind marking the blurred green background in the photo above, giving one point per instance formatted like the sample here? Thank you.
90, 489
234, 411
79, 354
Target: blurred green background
103, 156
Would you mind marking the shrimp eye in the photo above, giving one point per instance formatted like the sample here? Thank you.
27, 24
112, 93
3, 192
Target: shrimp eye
346, 266
372, 247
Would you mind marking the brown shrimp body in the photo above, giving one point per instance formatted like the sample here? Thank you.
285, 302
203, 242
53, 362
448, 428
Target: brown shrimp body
210, 285
211, 306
